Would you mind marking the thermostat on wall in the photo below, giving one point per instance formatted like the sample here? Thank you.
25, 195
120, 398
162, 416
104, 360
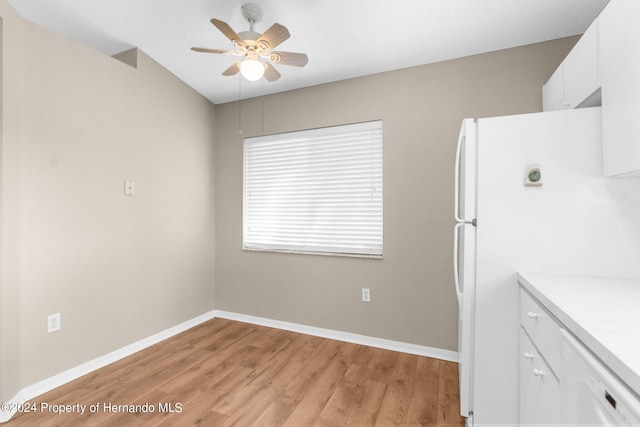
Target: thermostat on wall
533, 177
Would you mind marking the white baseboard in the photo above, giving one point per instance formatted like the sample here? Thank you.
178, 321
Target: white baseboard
436, 353
41, 387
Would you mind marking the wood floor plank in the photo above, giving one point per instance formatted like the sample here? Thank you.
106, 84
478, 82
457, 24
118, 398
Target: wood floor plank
277, 412
294, 376
448, 395
316, 386
380, 362
356, 400
395, 405
423, 403
228, 373
248, 411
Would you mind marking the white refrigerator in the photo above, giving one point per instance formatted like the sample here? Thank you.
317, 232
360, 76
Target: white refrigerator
571, 221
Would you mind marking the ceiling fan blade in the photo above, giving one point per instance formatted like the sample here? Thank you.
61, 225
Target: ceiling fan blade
205, 50
234, 69
275, 35
227, 30
289, 58
271, 74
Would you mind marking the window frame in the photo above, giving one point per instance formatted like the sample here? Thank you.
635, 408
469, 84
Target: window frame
371, 134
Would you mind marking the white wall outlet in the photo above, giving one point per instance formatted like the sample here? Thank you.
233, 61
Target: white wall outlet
53, 323
366, 295
129, 187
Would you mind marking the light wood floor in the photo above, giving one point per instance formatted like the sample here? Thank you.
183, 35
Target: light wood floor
224, 372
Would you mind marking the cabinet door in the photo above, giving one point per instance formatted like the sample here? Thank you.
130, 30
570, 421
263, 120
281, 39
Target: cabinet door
539, 388
581, 70
543, 330
619, 38
553, 91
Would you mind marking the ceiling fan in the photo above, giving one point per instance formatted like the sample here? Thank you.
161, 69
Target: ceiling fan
256, 48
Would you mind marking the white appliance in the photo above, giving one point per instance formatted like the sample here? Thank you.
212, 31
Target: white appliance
594, 395
571, 221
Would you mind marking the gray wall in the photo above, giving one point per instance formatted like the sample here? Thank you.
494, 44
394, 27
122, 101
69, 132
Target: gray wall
412, 294
10, 134
76, 124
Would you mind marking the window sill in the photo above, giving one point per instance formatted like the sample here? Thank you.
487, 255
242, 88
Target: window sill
331, 254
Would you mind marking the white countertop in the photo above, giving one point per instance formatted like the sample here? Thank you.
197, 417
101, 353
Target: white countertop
603, 313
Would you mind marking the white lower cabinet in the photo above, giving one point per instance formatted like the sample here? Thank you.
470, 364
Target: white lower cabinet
577, 356
540, 393
539, 387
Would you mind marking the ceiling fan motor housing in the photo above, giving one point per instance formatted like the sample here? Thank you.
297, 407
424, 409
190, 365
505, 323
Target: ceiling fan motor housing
249, 35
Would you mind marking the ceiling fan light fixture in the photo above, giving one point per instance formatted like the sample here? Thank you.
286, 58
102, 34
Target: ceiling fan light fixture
252, 69
254, 47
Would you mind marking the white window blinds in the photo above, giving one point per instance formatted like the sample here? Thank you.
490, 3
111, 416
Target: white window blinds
317, 191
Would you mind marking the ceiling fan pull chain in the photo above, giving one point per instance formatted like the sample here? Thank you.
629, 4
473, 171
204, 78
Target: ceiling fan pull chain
239, 106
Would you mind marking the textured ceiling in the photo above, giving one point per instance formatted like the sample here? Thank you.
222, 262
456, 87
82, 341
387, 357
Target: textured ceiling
343, 38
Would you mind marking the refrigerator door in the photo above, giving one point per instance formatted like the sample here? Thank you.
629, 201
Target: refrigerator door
464, 257
464, 263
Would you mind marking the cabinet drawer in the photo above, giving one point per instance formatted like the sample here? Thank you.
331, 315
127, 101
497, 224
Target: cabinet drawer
542, 328
539, 388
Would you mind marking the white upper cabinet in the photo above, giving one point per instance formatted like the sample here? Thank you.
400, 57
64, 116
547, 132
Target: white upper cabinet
581, 81
576, 81
603, 68
619, 36
553, 91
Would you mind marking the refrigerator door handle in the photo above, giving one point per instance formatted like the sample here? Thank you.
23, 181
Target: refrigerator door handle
456, 278
457, 180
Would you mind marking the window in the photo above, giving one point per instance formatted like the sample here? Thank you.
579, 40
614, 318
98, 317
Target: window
315, 191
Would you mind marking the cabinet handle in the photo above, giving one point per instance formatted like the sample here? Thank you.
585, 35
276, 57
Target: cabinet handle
538, 373
532, 315
529, 356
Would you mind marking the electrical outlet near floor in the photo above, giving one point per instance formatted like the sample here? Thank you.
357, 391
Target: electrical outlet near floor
53, 323
366, 295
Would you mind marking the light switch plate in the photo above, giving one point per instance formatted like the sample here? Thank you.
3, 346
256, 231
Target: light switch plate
129, 187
